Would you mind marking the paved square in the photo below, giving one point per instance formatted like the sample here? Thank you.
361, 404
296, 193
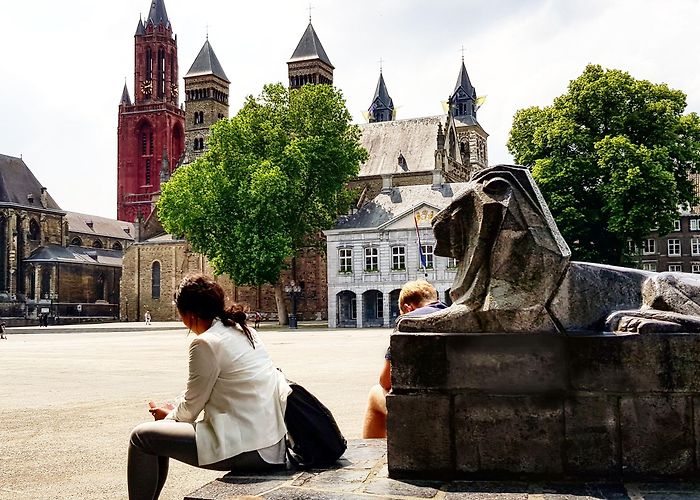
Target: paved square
70, 397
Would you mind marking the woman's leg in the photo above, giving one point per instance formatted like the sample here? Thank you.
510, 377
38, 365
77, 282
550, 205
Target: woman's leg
149, 448
374, 425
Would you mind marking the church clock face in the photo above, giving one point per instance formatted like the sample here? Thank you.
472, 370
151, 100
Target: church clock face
146, 86
174, 90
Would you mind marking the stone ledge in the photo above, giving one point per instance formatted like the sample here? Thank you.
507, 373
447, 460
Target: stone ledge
362, 474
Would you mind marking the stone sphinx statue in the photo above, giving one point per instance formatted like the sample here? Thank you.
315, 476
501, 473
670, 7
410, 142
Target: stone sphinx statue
515, 274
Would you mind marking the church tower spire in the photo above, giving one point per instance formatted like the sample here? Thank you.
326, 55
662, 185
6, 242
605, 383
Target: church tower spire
463, 99
152, 127
382, 107
206, 99
309, 62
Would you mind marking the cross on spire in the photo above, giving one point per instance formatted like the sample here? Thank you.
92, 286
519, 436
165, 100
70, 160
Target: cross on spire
310, 7
381, 61
462, 52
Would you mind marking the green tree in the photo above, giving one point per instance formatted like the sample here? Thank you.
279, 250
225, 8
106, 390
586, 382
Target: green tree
273, 177
612, 157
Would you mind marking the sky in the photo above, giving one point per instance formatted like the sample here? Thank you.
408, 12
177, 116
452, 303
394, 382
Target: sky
64, 63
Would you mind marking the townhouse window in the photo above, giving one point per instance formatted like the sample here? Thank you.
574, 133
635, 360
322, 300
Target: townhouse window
452, 263
674, 246
695, 224
675, 268
371, 259
695, 246
676, 225
429, 256
695, 268
649, 266
398, 258
345, 260
649, 246
631, 247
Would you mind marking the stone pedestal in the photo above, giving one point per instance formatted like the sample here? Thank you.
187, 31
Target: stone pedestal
530, 405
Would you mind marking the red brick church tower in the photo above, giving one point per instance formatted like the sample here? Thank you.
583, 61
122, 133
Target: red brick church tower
151, 135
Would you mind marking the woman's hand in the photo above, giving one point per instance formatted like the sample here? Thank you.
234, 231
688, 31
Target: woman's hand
159, 412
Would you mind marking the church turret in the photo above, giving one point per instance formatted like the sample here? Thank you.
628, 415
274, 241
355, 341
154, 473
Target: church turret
309, 62
382, 107
153, 123
206, 99
463, 99
466, 140
126, 99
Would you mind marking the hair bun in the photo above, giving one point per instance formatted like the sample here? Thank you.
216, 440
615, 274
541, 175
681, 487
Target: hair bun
239, 317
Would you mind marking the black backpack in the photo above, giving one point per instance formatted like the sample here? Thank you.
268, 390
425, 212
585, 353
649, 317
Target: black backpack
313, 436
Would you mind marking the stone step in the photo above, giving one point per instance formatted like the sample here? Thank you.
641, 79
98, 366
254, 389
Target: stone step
362, 474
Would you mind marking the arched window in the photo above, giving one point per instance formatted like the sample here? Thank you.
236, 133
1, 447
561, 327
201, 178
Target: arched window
34, 230
97, 244
117, 246
100, 287
155, 280
77, 242
46, 283
149, 64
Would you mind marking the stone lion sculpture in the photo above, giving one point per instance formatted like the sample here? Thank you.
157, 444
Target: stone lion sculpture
515, 273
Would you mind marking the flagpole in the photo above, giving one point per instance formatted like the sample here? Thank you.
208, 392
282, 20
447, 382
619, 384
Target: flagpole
421, 258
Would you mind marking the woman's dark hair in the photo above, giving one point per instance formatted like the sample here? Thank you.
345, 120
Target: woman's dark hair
202, 296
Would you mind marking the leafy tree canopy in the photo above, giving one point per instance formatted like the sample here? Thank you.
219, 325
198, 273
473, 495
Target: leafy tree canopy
613, 158
273, 177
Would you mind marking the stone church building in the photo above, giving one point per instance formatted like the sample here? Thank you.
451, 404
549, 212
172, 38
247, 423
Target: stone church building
421, 151
63, 264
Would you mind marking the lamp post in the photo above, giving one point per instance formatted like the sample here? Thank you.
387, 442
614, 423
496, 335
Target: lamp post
293, 290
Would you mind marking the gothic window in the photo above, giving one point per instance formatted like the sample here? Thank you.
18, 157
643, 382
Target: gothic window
32, 282
143, 144
150, 144
117, 246
161, 72
148, 171
97, 244
46, 284
76, 242
34, 230
196, 118
149, 64
3, 253
155, 280
100, 287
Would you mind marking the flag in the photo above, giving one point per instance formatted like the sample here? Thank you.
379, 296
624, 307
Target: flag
421, 255
479, 102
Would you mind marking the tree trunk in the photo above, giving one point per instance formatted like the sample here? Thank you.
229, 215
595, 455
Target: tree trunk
281, 306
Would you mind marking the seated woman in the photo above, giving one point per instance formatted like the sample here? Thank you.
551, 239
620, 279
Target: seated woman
233, 380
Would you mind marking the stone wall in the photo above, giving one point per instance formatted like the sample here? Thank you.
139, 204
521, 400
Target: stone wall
528, 405
177, 259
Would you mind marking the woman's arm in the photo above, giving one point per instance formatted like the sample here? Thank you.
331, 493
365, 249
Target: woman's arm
203, 372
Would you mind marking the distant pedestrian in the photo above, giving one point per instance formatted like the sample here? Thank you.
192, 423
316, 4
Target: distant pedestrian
2, 331
258, 318
147, 317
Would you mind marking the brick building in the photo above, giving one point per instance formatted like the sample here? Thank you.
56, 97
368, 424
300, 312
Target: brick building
150, 135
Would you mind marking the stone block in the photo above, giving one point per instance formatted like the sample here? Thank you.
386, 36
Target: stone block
418, 361
479, 490
509, 435
626, 363
656, 436
592, 436
506, 364
390, 488
419, 430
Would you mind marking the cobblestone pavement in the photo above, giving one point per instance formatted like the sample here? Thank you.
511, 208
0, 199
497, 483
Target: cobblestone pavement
69, 396
362, 475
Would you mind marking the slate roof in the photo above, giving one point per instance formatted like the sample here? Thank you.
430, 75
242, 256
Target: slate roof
464, 82
101, 226
206, 63
310, 47
140, 28
76, 255
17, 182
398, 201
382, 93
158, 14
126, 99
414, 138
